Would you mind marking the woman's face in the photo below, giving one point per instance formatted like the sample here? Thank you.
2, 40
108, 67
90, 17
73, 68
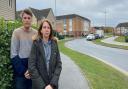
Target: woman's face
45, 30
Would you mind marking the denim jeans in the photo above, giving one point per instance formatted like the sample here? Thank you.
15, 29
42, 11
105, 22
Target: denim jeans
22, 83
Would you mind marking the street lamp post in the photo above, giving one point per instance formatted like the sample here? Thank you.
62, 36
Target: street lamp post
105, 20
55, 19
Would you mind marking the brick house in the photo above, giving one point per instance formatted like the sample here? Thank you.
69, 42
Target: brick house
8, 9
121, 28
72, 25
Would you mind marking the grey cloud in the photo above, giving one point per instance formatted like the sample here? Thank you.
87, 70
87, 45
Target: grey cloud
117, 10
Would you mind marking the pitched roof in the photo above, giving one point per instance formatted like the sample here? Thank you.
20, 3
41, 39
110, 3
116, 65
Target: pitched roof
39, 14
125, 24
71, 16
98, 28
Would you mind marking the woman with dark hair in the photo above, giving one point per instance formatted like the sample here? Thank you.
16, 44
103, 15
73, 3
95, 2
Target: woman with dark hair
44, 63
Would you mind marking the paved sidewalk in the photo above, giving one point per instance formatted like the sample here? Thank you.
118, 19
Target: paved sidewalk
71, 77
111, 41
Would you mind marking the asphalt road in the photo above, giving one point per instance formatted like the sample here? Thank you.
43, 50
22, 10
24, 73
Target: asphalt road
117, 58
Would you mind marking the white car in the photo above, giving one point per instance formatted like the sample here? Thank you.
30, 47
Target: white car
90, 37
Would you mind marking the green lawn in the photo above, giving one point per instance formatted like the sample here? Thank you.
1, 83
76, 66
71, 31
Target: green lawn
98, 41
100, 75
120, 39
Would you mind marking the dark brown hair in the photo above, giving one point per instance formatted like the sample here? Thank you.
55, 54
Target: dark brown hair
26, 11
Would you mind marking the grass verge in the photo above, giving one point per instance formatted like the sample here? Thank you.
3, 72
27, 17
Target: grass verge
100, 75
98, 41
120, 39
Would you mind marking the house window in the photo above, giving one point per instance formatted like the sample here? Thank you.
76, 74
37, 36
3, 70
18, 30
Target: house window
70, 25
64, 21
10, 3
65, 25
86, 25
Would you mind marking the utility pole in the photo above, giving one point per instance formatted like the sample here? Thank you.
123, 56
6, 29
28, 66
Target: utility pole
105, 20
105, 16
55, 19
55, 7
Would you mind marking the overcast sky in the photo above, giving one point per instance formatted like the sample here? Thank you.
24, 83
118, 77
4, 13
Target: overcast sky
116, 10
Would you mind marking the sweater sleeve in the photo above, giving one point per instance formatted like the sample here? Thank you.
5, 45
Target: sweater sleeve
15, 43
18, 67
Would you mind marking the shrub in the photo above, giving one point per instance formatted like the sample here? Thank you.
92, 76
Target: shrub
6, 75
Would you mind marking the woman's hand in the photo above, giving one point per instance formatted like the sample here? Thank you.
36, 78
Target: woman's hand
48, 87
27, 75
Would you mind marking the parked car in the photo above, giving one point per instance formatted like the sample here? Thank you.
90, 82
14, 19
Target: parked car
90, 37
97, 36
100, 33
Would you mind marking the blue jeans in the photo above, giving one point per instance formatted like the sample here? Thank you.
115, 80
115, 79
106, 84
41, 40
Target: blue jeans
22, 83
